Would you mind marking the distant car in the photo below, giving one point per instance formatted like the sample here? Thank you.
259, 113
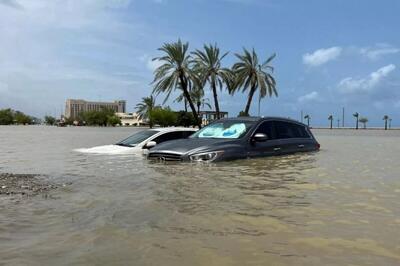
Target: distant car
141, 141
239, 138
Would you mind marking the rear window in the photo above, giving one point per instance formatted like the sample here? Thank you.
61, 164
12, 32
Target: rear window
286, 130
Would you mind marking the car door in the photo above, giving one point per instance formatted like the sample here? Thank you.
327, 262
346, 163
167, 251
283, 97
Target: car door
293, 137
305, 141
267, 148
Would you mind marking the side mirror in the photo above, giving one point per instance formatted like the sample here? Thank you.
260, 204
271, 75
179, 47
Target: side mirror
149, 145
260, 137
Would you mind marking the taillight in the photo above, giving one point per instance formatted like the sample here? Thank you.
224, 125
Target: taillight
318, 146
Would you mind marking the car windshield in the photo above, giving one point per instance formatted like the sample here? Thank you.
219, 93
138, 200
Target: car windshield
135, 139
224, 130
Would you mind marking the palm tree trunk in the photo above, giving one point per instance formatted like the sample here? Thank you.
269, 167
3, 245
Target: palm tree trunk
331, 123
185, 102
250, 98
198, 107
214, 89
357, 123
187, 96
385, 124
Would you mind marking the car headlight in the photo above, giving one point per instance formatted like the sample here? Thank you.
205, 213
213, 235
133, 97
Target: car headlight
205, 157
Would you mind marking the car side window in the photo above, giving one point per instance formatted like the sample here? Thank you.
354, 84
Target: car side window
300, 131
266, 128
285, 130
169, 136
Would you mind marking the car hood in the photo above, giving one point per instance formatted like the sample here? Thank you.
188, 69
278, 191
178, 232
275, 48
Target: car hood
110, 149
191, 145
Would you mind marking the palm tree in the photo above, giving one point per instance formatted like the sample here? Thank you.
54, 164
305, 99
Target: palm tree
364, 121
356, 115
207, 64
250, 74
175, 72
307, 117
181, 98
145, 107
386, 118
197, 96
330, 118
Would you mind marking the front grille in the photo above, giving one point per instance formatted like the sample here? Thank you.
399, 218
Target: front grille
165, 156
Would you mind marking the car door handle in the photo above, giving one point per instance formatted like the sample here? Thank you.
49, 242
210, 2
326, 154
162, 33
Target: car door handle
277, 149
301, 146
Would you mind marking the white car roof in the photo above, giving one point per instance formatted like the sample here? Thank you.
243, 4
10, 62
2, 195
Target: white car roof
172, 129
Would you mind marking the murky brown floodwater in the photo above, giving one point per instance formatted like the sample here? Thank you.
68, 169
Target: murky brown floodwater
339, 206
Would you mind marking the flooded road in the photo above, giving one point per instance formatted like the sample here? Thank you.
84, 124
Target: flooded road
339, 206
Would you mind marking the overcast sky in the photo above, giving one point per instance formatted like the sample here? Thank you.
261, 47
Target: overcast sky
330, 54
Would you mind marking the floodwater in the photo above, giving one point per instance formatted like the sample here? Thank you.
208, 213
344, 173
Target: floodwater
339, 206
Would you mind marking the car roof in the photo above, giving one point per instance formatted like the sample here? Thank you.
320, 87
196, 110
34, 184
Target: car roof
263, 118
172, 129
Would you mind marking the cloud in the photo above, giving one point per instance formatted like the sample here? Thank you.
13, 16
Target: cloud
150, 64
353, 85
11, 3
70, 48
312, 96
322, 56
378, 51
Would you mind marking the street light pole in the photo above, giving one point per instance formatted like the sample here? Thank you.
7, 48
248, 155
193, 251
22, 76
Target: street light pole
343, 117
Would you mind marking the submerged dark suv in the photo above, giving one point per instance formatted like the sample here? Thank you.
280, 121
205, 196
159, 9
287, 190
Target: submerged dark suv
238, 138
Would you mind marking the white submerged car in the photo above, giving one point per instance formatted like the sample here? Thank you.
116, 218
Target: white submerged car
141, 141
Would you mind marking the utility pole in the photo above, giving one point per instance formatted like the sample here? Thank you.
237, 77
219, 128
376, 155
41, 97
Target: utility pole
343, 117
301, 116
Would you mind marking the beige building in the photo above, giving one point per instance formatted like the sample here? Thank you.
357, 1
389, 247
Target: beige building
130, 119
75, 107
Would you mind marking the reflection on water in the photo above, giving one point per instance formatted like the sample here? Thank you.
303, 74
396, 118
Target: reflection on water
337, 206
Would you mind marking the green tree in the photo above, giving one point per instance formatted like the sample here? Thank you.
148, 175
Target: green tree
185, 119
386, 118
98, 118
145, 108
49, 120
22, 119
307, 117
356, 115
251, 75
175, 72
207, 64
364, 121
330, 118
6, 117
69, 121
164, 116
113, 120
